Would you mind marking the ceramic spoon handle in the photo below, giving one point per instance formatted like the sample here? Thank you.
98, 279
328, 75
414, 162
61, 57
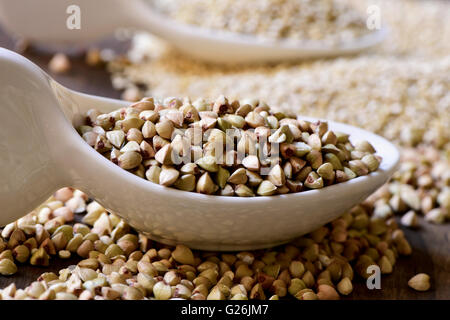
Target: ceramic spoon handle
28, 112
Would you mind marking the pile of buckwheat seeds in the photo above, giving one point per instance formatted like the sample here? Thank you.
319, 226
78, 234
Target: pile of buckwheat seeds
116, 262
191, 146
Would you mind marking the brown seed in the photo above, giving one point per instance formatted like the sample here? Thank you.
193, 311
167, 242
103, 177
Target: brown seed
345, 286
205, 184
243, 191
364, 146
186, 182
135, 135
144, 104
7, 267
172, 278
63, 194
385, 265
74, 243
59, 63
420, 282
254, 119
85, 247
176, 117
165, 129
266, 188
329, 138
238, 177
315, 159
295, 286
64, 212
308, 279
436, 215
334, 160
132, 293
326, 292
148, 129
153, 173
296, 269
257, 293
147, 268
277, 176
162, 291
251, 163
129, 123
297, 164
64, 254
17, 237
314, 142
168, 176
410, 219
313, 181
221, 106
21, 253
39, 258
48, 246
279, 288
326, 171
309, 296
113, 251
215, 294
60, 241
164, 155
183, 254
89, 263
358, 167
208, 163
403, 247
371, 162
129, 160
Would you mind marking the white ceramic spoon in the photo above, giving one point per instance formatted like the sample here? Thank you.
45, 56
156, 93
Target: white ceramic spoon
40, 151
44, 21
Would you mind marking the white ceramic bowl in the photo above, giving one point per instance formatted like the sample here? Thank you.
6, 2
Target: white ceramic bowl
40, 151
100, 18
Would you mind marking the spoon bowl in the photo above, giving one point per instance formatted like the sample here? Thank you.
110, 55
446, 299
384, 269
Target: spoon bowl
41, 152
206, 44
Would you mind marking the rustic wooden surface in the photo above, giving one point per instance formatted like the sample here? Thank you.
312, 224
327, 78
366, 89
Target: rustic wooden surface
431, 243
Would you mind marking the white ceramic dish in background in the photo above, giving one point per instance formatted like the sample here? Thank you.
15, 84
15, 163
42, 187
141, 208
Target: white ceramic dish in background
40, 151
44, 22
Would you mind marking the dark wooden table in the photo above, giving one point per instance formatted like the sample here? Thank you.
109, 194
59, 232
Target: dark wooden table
431, 243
